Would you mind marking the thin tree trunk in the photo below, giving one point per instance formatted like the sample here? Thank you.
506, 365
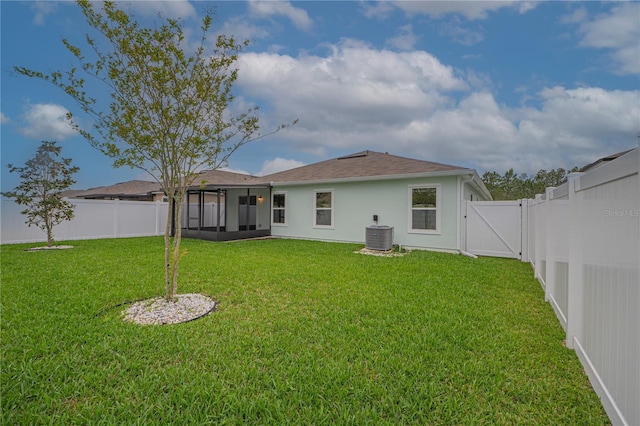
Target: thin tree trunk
167, 251
49, 226
177, 239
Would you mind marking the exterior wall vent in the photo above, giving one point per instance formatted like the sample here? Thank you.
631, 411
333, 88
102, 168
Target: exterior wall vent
379, 237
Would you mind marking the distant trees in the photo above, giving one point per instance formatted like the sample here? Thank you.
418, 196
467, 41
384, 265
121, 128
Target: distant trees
43, 179
512, 186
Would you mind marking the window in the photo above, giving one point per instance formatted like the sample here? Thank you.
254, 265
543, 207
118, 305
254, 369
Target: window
279, 208
424, 209
323, 209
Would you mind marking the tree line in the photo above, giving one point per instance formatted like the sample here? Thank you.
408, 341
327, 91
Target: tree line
511, 186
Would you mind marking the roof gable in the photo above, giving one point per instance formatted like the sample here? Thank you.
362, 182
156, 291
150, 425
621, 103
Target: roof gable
360, 165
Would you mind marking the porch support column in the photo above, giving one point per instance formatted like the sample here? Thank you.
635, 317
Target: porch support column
187, 215
248, 208
218, 210
200, 198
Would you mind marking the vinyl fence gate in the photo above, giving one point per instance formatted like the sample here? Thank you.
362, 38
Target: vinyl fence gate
496, 228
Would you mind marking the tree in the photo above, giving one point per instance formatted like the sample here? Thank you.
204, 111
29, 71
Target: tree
168, 111
43, 179
511, 186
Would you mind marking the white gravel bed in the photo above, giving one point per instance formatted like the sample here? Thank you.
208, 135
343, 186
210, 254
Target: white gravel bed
387, 253
160, 311
44, 248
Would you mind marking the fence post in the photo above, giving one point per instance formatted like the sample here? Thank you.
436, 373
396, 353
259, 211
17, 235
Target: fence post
538, 249
524, 230
549, 274
575, 285
157, 216
116, 217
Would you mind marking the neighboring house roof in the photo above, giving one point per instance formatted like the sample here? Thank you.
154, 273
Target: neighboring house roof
361, 165
142, 189
604, 160
131, 189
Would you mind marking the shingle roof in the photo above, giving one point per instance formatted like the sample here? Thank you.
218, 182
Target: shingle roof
360, 165
224, 178
599, 162
130, 188
138, 188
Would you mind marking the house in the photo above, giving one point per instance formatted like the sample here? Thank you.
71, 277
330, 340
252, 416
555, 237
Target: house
336, 200
333, 200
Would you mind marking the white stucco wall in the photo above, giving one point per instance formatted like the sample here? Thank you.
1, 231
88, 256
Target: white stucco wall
355, 203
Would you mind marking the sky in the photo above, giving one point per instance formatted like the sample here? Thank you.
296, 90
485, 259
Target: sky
485, 85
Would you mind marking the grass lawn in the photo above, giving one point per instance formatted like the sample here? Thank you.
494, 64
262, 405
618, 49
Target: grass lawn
305, 333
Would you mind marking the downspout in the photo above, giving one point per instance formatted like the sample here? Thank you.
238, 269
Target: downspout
270, 206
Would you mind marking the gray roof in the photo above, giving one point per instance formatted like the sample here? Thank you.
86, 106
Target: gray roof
143, 188
125, 189
601, 161
222, 179
360, 165
364, 164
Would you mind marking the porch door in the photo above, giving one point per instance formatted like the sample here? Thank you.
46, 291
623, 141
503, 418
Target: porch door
247, 213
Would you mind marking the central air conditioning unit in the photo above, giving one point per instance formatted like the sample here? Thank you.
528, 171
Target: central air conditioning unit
379, 237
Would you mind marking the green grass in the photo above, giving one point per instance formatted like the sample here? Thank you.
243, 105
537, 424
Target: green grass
305, 333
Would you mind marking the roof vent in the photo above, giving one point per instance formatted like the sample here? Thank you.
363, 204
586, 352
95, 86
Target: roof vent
356, 155
379, 237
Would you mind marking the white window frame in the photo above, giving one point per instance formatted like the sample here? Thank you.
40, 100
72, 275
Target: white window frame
437, 208
286, 213
332, 208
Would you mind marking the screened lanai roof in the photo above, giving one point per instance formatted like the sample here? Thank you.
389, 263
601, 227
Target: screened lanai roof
211, 180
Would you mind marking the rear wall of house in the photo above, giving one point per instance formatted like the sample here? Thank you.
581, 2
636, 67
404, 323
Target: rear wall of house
354, 205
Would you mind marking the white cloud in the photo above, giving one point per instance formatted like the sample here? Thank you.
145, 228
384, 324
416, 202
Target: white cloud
461, 33
409, 103
278, 165
170, 8
405, 40
266, 9
241, 29
352, 85
575, 17
525, 6
471, 10
379, 10
46, 121
4, 119
619, 32
42, 9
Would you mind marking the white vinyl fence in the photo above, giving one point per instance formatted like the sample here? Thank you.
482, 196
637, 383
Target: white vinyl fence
584, 246
93, 219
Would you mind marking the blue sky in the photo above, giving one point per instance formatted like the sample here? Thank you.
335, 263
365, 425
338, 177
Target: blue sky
487, 85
